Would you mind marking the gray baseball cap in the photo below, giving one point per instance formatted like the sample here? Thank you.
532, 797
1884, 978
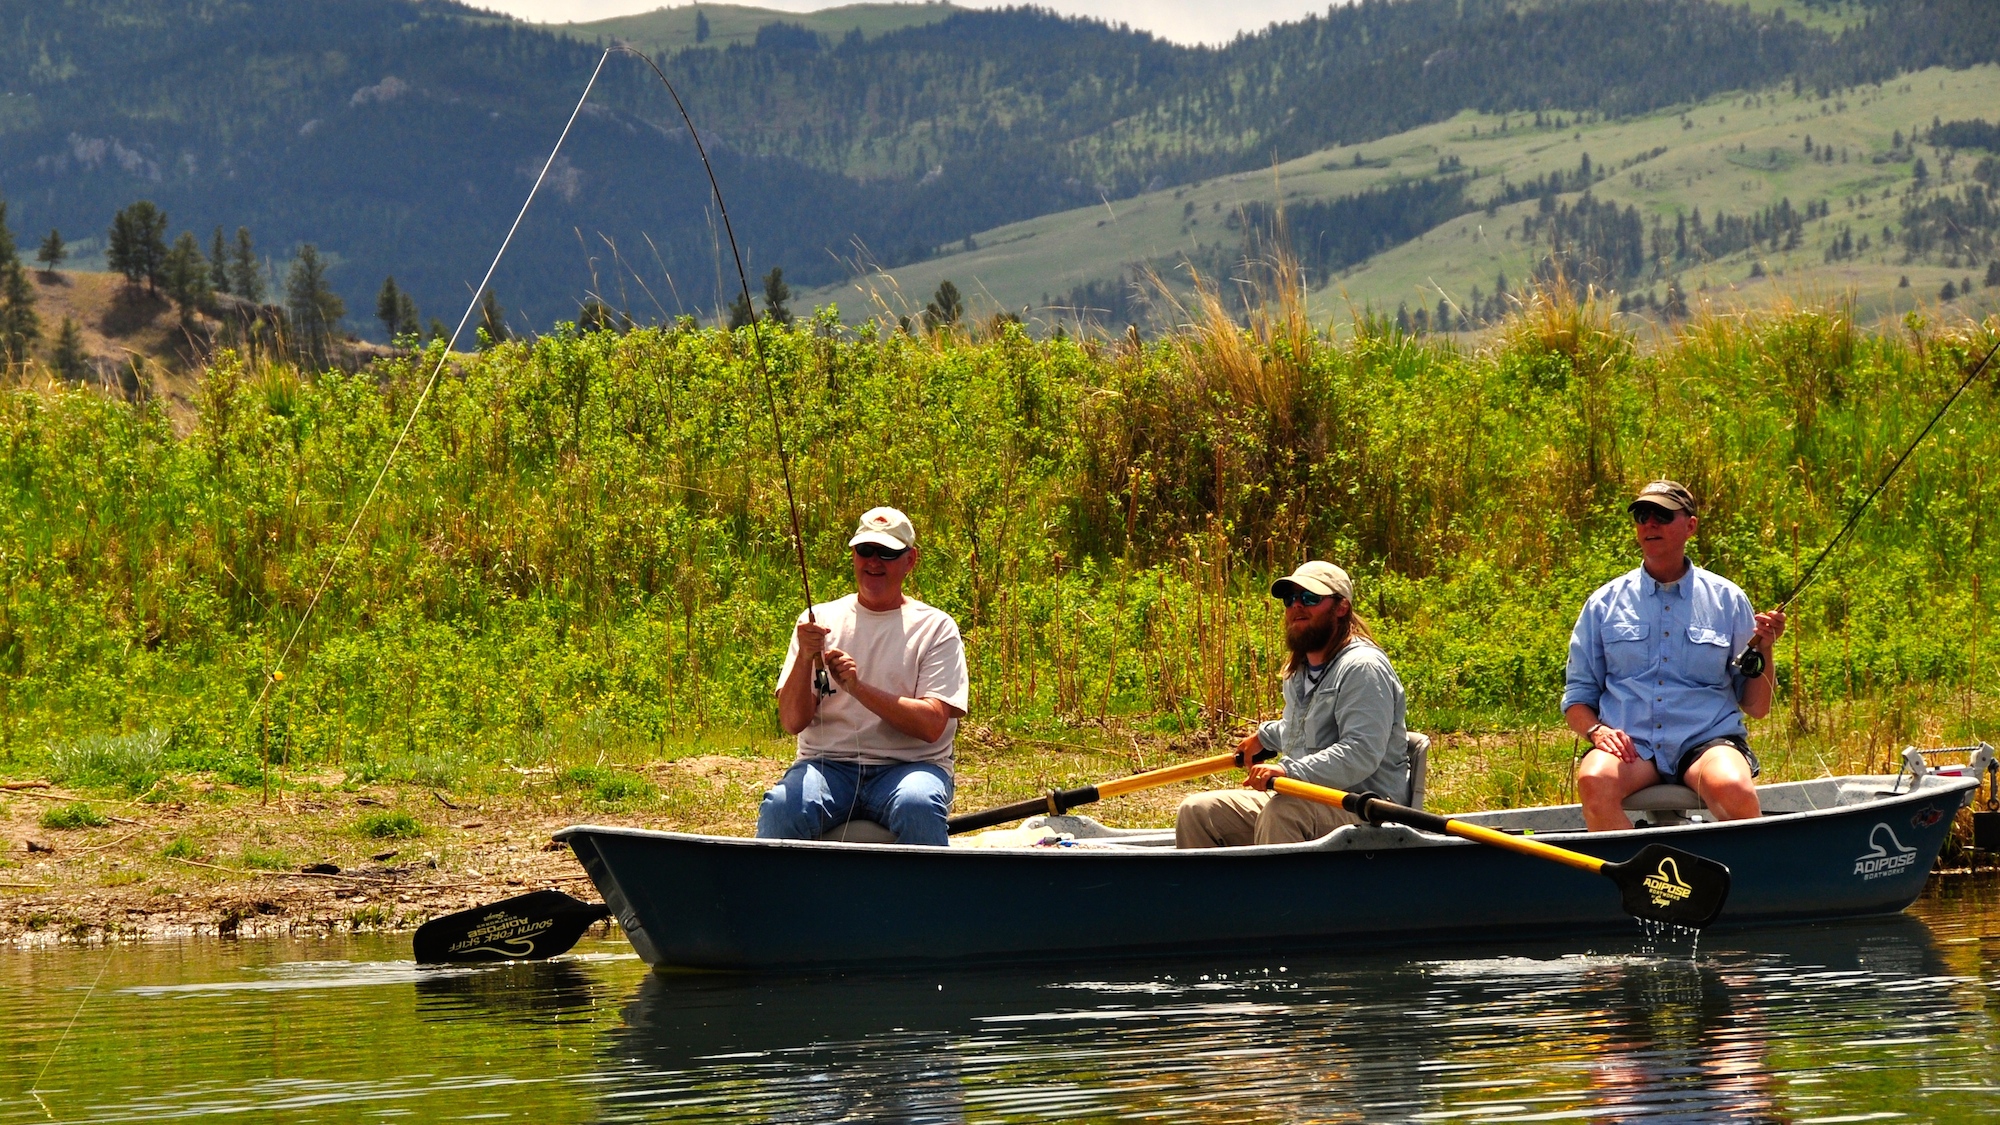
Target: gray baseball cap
1316, 577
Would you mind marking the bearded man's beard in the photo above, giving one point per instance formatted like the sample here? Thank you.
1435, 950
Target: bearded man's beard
1305, 637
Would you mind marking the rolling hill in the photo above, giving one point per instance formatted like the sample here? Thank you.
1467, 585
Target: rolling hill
668, 30
1735, 154
400, 135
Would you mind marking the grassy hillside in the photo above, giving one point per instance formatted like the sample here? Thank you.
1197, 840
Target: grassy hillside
673, 29
1733, 154
581, 558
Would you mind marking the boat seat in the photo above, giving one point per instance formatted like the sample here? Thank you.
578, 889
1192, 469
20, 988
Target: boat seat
858, 831
1420, 768
1664, 798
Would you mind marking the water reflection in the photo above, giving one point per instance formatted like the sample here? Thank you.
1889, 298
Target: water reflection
1620, 1034
1780, 1025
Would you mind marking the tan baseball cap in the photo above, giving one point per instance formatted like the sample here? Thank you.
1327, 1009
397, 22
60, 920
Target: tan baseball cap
884, 527
1668, 494
1316, 577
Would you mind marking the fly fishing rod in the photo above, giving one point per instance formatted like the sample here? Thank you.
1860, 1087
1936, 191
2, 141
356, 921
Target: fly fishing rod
1752, 663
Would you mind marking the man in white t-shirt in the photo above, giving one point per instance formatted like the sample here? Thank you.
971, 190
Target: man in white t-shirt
877, 746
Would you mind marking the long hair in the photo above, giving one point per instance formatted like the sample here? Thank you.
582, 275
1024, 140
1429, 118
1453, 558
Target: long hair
1348, 628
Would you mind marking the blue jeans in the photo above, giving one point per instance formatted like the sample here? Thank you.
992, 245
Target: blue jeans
908, 799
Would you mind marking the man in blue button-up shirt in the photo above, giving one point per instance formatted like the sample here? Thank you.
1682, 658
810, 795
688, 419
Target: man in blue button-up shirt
1653, 681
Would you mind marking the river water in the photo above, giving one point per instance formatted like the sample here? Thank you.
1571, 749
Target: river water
1882, 1019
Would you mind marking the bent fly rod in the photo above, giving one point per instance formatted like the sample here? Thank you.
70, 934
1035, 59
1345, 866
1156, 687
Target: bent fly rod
821, 680
1752, 662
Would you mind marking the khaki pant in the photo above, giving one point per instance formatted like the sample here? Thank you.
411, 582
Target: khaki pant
1231, 818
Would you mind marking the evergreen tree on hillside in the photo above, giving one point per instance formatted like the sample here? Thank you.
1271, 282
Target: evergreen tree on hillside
492, 321
315, 308
186, 276
69, 359
52, 251
218, 262
389, 308
246, 280
740, 312
776, 293
945, 308
700, 26
406, 312
19, 326
137, 246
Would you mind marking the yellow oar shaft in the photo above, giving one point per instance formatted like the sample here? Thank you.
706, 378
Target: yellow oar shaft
1432, 822
1201, 767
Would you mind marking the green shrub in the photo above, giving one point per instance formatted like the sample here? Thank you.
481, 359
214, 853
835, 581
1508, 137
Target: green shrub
131, 762
606, 786
76, 814
180, 847
261, 859
389, 824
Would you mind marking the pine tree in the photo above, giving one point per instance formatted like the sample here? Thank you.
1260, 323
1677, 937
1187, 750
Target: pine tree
186, 276
53, 251
69, 359
740, 312
492, 321
19, 326
406, 312
700, 26
245, 279
138, 244
945, 308
315, 308
389, 308
218, 263
1993, 274
776, 293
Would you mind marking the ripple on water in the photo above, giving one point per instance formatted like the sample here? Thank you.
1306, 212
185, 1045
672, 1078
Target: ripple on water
1820, 1024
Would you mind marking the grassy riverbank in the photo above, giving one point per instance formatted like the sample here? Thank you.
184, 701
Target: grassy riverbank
577, 574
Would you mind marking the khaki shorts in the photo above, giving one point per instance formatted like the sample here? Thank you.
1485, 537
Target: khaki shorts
1232, 818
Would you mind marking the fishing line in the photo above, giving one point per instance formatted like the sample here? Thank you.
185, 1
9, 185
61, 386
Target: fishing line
1752, 662
784, 458
34, 1088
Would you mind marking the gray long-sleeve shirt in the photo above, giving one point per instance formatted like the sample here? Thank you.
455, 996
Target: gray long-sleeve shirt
1347, 731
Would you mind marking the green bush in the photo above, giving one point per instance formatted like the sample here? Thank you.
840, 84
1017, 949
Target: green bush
389, 824
263, 859
605, 786
130, 762
583, 550
75, 814
180, 847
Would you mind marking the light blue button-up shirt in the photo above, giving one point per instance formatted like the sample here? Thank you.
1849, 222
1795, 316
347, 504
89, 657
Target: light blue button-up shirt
1657, 661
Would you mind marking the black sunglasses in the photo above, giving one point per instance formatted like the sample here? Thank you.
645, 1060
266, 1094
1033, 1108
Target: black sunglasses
1652, 513
878, 551
1305, 598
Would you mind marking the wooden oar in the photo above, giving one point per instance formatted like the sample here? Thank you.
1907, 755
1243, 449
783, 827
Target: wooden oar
527, 927
1661, 884
1057, 801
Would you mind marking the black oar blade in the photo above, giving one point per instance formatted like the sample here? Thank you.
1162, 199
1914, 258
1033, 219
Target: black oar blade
1663, 884
527, 927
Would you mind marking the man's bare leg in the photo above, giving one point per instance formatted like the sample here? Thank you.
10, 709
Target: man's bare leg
1603, 781
1723, 779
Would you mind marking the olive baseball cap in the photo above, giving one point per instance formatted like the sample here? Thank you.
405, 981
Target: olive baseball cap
884, 527
1315, 577
1666, 494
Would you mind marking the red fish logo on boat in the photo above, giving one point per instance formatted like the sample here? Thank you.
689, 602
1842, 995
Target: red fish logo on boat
1665, 886
1927, 816
1886, 856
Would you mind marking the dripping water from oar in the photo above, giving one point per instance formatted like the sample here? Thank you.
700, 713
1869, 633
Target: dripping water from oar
1752, 664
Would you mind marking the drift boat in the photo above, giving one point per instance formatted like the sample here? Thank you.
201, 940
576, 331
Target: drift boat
1836, 847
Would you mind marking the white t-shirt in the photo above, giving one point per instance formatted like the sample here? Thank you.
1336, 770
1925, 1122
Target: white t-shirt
913, 651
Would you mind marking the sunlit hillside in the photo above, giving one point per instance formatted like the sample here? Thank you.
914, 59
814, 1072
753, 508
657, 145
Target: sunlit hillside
1733, 155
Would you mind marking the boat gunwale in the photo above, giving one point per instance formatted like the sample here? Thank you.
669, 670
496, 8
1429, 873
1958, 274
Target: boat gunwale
1393, 837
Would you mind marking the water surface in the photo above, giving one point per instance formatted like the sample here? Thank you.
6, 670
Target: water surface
1875, 1020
